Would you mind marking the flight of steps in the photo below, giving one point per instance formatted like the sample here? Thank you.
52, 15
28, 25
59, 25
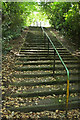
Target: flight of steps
34, 78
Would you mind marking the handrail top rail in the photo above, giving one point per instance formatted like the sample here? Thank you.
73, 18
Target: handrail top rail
56, 52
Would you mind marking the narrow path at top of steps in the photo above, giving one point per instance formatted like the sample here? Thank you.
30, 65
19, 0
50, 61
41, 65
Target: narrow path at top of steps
34, 87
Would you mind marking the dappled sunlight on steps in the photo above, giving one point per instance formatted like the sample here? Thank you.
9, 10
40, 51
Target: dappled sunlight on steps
34, 78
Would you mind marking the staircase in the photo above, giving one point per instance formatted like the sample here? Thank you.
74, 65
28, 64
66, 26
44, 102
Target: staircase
34, 82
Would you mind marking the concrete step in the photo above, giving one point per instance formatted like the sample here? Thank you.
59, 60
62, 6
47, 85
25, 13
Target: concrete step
62, 50
48, 105
42, 56
43, 68
58, 48
46, 82
38, 59
44, 93
45, 74
47, 63
37, 53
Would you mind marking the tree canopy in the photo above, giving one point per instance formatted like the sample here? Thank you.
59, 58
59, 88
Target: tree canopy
63, 16
14, 18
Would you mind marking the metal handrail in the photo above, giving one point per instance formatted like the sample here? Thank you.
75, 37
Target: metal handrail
67, 97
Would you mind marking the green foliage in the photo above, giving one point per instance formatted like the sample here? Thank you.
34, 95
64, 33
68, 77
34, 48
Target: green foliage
14, 15
64, 16
55, 12
36, 16
72, 18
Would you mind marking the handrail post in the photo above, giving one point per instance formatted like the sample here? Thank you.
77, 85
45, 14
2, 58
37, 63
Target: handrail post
67, 97
54, 63
44, 39
48, 47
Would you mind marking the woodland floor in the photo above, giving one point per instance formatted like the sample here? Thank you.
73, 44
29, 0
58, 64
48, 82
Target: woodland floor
7, 70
